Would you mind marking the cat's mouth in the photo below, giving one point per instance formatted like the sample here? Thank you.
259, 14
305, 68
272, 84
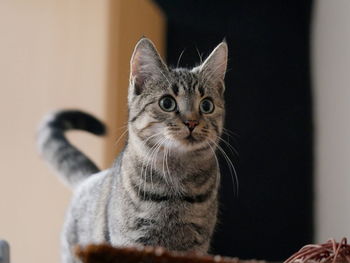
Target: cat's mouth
189, 142
190, 138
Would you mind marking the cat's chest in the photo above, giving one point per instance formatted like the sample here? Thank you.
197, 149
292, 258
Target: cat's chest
168, 227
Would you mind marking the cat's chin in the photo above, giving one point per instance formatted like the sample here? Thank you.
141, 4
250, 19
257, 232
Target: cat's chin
191, 139
188, 144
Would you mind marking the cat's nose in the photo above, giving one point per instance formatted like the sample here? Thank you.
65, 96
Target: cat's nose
191, 124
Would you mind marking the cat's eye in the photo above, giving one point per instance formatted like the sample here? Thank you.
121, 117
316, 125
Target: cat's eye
206, 106
167, 103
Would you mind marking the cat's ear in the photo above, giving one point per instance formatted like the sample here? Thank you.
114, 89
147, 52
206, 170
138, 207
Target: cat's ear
214, 67
145, 64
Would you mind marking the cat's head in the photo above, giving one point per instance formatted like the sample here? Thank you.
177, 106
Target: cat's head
180, 108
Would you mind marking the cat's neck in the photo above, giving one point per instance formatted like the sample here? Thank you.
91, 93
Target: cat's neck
184, 170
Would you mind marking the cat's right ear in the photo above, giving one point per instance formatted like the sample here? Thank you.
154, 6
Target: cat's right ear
145, 64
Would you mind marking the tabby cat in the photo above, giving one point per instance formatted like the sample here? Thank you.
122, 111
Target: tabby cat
163, 188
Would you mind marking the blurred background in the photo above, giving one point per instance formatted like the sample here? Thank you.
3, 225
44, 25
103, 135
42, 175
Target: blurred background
287, 99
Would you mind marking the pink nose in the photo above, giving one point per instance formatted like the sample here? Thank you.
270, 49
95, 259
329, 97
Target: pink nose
191, 124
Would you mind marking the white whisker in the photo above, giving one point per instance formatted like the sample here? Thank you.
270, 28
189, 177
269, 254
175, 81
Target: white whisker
121, 136
178, 61
230, 133
230, 165
154, 158
165, 78
232, 149
199, 55
167, 165
163, 163
144, 169
150, 161
214, 154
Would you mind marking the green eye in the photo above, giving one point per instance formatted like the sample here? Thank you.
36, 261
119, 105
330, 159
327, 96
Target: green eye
167, 103
206, 106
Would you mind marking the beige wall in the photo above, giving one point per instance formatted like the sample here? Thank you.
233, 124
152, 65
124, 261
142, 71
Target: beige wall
58, 54
331, 64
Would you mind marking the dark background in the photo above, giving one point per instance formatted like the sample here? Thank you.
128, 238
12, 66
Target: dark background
269, 107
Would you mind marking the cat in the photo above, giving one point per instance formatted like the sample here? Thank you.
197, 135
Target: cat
163, 187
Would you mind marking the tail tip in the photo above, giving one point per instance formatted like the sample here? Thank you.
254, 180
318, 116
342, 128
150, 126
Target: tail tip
98, 128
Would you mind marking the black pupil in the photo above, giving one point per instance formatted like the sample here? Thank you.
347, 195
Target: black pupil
206, 105
167, 103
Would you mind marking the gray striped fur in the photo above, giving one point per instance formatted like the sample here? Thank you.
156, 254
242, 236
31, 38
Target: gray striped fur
72, 165
163, 187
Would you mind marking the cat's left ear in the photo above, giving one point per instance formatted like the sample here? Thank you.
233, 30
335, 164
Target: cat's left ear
214, 67
145, 64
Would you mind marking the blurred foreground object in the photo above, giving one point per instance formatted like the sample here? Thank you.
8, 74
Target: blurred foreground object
108, 254
4, 252
327, 252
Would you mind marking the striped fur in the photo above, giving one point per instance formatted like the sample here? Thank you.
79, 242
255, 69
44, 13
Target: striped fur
73, 166
163, 187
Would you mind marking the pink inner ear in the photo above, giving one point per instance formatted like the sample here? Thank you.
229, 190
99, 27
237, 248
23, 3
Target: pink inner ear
135, 64
146, 64
216, 63
137, 74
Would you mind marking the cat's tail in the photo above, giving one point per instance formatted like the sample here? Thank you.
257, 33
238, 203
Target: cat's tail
71, 164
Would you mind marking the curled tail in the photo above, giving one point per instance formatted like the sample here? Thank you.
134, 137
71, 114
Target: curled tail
71, 164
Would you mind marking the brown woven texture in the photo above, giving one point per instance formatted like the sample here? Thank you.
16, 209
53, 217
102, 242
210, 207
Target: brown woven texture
108, 254
329, 252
